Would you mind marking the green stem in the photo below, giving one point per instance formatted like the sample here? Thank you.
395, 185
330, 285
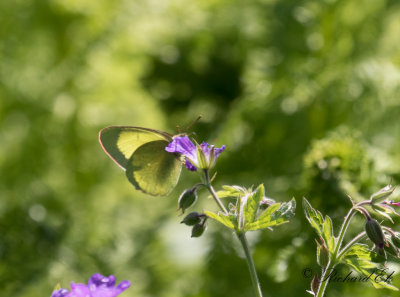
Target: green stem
342, 231
325, 278
240, 235
346, 223
252, 268
213, 193
336, 255
332, 263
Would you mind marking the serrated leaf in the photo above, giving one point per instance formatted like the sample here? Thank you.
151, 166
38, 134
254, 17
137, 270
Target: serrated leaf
361, 259
252, 204
322, 225
274, 215
327, 234
314, 217
230, 192
362, 252
228, 221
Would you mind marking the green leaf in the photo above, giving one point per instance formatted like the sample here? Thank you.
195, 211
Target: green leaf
274, 215
228, 221
252, 204
362, 253
361, 259
327, 234
313, 216
231, 192
322, 225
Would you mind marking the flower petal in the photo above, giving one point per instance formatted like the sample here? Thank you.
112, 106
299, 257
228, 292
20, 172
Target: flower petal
182, 145
97, 280
60, 293
206, 148
190, 166
219, 150
98, 286
79, 290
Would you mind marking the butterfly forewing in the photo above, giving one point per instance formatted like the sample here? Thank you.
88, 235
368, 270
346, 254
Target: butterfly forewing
153, 170
120, 142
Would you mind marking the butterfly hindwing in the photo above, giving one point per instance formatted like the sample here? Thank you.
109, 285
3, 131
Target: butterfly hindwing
120, 142
141, 153
153, 170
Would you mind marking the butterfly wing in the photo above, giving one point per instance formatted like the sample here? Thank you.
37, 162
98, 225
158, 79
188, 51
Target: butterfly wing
141, 153
153, 170
120, 142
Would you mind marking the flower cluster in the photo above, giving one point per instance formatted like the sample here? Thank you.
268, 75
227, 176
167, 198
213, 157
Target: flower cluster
197, 156
98, 286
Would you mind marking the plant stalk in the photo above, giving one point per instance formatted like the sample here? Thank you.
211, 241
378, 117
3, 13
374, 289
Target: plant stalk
336, 255
325, 278
342, 231
213, 193
241, 236
250, 262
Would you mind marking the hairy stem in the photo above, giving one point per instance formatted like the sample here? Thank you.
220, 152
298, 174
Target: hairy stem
241, 236
342, 231
213, 193
325, 278
250, 262
336, 255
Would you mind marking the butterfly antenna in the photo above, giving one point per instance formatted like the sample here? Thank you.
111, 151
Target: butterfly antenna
179, 129
194, 122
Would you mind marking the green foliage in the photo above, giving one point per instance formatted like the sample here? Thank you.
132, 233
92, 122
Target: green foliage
247, 215
323, 226
358, 256
361, 259
231, 192
274, 215
229, 221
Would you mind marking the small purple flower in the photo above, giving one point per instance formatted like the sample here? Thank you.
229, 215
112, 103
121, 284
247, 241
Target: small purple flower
98, 286
201, 156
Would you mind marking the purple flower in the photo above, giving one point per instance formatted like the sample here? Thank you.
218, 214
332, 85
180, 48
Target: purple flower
201, 156
98, 286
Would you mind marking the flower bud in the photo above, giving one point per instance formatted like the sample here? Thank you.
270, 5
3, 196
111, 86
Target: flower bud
198, 230
315, 284
396, 240
374, 232
382, 194
187, 199
322, 254
192, 218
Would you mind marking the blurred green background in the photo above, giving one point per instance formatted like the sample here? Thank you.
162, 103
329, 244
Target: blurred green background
304, 94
